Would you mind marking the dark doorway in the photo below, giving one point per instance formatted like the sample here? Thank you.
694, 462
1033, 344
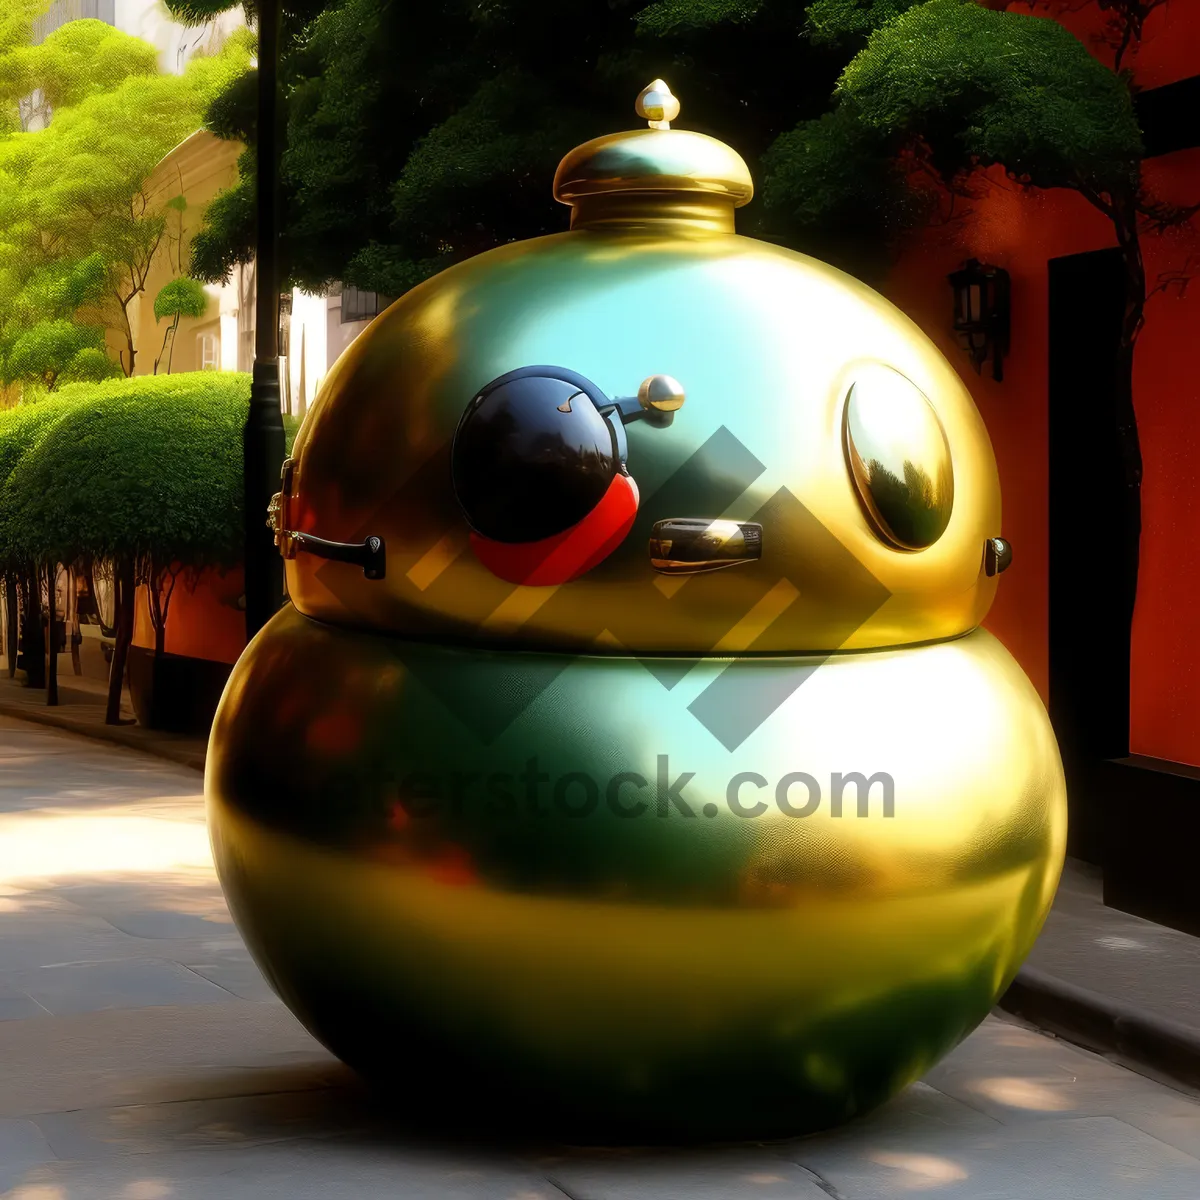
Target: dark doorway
1091, 578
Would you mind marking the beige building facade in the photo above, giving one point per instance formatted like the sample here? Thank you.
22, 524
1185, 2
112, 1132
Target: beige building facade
314, 329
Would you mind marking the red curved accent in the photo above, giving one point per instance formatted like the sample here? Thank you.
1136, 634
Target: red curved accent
566, 555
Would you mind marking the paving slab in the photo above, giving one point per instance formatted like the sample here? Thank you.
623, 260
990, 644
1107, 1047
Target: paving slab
697, 1175
297, 1171
156, 1056
81, 710
1086, 1158
22, 1147
87, 987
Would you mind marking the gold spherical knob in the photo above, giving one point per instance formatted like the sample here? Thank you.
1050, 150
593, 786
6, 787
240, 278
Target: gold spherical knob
661, 393
657, 105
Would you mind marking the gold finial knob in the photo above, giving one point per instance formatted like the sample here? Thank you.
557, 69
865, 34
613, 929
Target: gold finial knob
661, 394
657, 105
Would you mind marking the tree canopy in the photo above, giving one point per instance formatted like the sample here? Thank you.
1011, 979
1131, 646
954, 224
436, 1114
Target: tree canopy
949, 87
78, 229
418, 135
147, 469
182, 297
21, 430
59, 351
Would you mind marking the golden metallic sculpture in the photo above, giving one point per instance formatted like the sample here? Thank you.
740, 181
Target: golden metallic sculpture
630, 760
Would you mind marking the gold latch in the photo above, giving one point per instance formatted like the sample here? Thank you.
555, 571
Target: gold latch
370, 555
694, 545
278, 512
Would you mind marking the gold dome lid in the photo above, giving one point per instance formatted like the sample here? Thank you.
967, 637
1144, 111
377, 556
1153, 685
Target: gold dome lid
654, 175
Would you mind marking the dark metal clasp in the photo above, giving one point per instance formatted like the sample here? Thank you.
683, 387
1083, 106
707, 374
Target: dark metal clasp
692, 545
371, 554
997, 555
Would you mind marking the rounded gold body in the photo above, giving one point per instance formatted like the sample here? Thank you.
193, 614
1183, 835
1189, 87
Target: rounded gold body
483, 921
767, 344
593, 854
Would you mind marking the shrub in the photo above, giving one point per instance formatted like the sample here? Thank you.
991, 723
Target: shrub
149, 467
21, 431
144, 472
56, 352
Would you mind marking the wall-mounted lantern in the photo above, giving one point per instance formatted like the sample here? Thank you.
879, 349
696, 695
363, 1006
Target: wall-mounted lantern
981, 313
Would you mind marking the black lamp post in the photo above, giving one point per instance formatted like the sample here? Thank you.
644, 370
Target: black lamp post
263, 440
982, 313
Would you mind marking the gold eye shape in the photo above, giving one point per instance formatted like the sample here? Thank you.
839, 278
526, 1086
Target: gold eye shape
898, 458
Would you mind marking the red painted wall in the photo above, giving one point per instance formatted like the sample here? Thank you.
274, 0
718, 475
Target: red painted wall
1165, 674
1021, 231
203, 621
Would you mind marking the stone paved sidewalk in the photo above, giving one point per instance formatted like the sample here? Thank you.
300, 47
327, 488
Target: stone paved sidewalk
81, 711
143, 1058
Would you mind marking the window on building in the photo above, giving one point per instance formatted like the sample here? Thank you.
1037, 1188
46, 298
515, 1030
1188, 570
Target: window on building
208, 352
285, 323
361, 306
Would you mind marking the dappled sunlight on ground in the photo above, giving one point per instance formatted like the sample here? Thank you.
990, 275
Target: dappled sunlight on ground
919, 1171
1010, 1035
1028, 1094
51, 843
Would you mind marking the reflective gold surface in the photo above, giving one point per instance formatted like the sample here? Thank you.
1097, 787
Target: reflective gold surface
689, 546
661, 393
553, 853
434, 893
660, 164
767, 344
772, 348
898, 457
657, 104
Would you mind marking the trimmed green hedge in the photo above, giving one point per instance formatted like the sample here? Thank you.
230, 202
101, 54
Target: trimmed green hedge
150, 465
148, 468
21, 430
144, 474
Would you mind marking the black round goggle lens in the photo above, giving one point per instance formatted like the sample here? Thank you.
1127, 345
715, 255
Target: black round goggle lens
532, 456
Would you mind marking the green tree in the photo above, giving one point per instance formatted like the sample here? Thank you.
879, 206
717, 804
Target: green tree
182, 297
57, 351
78, 227
949, 88
17, 18
144, 474
417, 135
22, 563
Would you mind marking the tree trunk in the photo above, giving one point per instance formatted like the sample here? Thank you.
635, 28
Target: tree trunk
171, 351
168, 338
33, 636
73, 621
162, 350
159, 590
52, 635
128, 329
1127, 539
12, 620
124, 582
158, 616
